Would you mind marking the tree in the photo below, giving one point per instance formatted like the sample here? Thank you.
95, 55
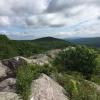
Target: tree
80, 58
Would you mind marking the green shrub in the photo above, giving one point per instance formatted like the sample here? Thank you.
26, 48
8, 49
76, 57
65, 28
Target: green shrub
87, 91
26, 74
80, 58
77, 89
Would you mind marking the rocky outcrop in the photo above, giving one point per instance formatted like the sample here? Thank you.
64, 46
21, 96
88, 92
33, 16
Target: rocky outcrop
45, 88
14, 63
7, 83
52, 53
45, 58
40, 59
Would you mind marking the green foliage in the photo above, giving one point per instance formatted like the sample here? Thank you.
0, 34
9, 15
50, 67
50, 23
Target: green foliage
77, 89
96, 76
52, 43
26, 74
6, 51
24, 78
11, 48
80, 58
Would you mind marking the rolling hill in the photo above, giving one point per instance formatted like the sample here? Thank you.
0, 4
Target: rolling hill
52, 43
93, 42
10, 48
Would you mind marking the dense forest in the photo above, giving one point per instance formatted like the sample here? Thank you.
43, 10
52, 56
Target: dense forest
10, 48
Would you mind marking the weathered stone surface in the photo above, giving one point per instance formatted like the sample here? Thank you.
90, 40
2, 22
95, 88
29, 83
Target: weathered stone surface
44, 88
9, 96
42, 59
13, 63
8, 85
52, 53
3, 70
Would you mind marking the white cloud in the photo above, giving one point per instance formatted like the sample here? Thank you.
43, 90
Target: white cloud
44, 12
4, 21
52, 13
22, 7
52, 19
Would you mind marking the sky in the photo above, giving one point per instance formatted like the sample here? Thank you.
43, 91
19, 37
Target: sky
30, 19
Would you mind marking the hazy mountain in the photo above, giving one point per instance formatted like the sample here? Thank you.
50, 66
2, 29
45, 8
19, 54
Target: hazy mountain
94, 41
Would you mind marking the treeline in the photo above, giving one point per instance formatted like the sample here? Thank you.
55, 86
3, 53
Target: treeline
11, 48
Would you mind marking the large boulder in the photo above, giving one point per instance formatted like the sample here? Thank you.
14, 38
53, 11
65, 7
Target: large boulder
45, 88
9, 96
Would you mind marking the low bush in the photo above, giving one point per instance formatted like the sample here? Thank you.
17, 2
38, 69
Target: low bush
24, 78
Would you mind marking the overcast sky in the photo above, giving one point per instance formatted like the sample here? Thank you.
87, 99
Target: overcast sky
29, 19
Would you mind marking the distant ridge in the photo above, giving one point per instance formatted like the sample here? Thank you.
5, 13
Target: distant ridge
51, 42
48, 39
93, 41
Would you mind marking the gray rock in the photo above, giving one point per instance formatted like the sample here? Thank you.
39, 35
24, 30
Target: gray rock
3, 70
9, 96
52, 53
44, 88
45, 58
8, 85
40, 59
14, 63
